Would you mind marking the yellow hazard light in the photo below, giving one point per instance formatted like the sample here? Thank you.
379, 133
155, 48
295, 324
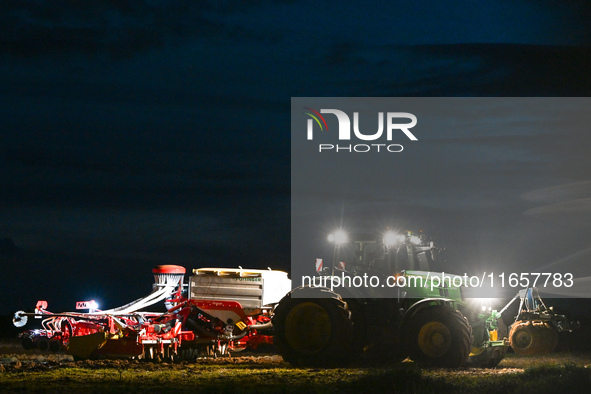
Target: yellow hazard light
494, 335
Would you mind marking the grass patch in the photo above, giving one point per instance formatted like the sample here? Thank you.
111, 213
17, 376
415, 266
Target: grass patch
222, 379
539, 380
512, 360
549, 374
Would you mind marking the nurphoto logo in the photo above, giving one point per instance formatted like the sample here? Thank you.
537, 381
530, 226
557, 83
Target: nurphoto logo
393, 126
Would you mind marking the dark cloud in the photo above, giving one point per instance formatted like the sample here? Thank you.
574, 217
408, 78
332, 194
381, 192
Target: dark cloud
128, 27
571, 213
567, 205
497, 70
114, 162
116, 28
560, 193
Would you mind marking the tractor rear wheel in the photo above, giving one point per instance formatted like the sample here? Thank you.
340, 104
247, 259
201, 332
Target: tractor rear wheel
529, 338
313, 331
439, 336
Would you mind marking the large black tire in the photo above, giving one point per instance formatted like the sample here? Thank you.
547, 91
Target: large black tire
491, 356
439, 336
530, 338
314, 331
28, 343
55, 345
43, 344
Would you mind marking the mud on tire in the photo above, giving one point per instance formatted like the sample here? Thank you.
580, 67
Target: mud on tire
439, 336
313, 331
529, 338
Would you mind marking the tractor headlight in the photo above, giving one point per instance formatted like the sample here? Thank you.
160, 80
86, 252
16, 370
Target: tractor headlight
338, 237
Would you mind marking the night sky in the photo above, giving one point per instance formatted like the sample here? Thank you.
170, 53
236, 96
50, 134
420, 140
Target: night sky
137, 133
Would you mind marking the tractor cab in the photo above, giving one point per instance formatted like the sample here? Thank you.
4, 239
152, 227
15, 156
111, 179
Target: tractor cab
385, 253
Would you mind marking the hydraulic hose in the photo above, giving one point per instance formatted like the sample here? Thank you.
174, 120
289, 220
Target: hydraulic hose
263, 326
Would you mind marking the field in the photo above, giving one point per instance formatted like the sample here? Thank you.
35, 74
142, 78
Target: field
33, 371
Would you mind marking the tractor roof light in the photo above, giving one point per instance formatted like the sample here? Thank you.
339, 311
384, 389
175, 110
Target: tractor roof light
338, 237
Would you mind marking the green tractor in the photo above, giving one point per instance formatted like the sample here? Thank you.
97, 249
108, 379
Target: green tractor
325, 323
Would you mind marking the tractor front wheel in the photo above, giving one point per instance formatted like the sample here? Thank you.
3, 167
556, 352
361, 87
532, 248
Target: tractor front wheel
490, 357
439, 336
313, 332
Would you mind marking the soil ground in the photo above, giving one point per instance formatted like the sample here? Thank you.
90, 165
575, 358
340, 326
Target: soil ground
34, 371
